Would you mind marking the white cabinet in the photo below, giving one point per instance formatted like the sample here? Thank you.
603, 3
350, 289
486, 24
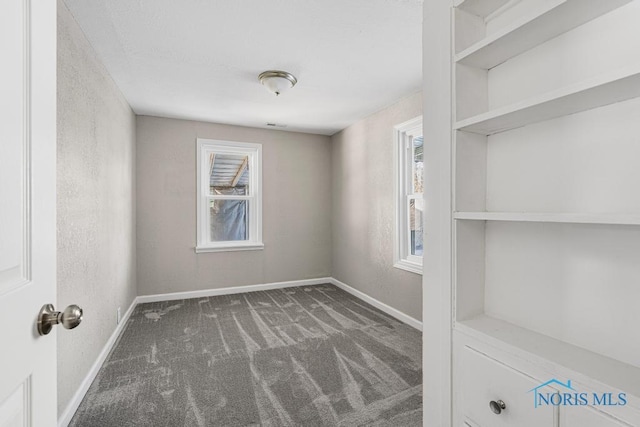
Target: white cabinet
546, 208
588, 417
484, 373
485, 382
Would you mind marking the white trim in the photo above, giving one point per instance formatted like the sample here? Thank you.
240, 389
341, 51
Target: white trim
409, 266
404, 318
411, 127
74, 403
230, 248
439, 172
233, 290
403, 192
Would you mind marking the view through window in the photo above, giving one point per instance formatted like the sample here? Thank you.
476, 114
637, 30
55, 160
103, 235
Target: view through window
229, 202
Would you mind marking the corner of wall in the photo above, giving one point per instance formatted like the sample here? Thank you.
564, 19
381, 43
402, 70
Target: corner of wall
362, 211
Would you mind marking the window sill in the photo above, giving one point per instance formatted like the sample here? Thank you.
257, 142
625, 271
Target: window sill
230, 248
409, 266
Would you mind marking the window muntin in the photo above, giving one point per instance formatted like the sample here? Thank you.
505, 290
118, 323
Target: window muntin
229, 196
409, 167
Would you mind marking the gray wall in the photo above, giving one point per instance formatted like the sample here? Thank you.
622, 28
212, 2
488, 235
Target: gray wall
96, 199
296, 208
363, 209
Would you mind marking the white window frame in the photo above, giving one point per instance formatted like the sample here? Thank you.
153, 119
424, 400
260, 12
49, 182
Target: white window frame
403, 171
254, 154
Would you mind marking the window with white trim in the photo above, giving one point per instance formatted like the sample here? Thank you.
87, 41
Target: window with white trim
409, 142
229, 202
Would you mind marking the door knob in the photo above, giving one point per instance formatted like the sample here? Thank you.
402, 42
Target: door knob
497, 407
48, 317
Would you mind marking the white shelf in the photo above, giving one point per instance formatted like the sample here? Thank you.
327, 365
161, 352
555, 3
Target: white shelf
617, 86
570, 218
575, 281
481, 8
527, 33
524, 343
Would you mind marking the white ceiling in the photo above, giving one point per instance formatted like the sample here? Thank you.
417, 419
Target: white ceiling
200, 59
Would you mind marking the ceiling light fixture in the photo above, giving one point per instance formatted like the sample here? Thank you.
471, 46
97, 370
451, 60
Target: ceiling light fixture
277, 81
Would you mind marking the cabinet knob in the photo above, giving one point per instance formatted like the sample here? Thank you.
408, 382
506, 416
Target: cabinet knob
497, 406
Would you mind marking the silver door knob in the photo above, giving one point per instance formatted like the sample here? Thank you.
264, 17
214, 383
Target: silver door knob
48, 317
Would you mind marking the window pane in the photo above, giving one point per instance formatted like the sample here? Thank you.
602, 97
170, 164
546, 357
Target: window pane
229, 220
228, 174
415, 225
417, 164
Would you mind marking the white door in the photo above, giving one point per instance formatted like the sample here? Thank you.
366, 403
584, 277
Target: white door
27, 210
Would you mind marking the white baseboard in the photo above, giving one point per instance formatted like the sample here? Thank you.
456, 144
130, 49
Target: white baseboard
280, 285
73, 405
75, 401
230, 291
405, 318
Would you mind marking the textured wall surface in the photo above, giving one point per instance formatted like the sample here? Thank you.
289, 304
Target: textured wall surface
363, 209
96, 214
296, 208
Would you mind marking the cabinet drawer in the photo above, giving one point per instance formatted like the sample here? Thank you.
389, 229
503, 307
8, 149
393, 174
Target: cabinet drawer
483, 379
588, 417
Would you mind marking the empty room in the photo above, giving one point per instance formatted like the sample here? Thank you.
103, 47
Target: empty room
320, 213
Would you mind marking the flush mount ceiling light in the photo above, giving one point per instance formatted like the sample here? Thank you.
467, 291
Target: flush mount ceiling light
277, 81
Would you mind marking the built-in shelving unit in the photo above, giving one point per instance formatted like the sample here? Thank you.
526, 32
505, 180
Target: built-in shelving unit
537, 260
617, 86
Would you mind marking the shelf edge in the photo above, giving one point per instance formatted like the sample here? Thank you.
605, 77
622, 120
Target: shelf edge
473, 124
609, 372
473, 54
568, 218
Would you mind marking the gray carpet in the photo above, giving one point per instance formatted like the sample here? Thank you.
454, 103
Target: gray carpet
305, 356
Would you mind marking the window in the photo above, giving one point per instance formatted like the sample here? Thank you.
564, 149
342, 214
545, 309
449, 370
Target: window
229, 203
409, 195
